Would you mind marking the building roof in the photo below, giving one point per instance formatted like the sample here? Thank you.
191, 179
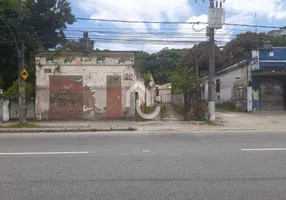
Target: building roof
263, 49
166, 86
231, 68
85, 53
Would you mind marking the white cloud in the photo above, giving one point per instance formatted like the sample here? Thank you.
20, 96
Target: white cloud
238, 11
148, 10
138, 10
272, 9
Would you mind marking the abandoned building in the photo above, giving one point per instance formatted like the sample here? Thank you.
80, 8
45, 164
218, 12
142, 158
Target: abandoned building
80, 85
232, 86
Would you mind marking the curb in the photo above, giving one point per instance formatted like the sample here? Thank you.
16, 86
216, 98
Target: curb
54, 130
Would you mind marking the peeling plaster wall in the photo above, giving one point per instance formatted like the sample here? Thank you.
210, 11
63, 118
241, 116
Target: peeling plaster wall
93, 70
228, 81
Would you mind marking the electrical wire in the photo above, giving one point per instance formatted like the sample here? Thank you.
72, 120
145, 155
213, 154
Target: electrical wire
164, 22
178, 22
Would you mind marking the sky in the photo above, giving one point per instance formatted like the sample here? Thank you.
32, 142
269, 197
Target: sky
153, 37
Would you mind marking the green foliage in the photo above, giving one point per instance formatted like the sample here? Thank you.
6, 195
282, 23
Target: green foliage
179, 110
163, 64
226, 106
41, 29
147, 78
184, 79
7, 5
13, 91
84, 44
26, 125
164, 111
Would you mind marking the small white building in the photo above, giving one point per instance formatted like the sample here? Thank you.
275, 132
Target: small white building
81, 85
165, 92
232, 85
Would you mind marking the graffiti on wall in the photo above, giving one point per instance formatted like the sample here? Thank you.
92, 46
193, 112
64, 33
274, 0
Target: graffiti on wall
87, 59
69, 59
128, 77
91, 60
50, 60
124, 60
255, 102
100, 60
66, 98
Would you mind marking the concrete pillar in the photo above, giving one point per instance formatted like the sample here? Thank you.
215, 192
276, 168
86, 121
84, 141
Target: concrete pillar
6, 113
249, 99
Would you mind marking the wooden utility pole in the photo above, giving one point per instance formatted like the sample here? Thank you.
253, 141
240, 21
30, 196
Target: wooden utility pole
21, 67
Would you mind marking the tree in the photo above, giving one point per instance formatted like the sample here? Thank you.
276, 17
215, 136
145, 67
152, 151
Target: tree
160, 64
185, 80
42, 28
166, 61
13, 91
7, 5
84, 44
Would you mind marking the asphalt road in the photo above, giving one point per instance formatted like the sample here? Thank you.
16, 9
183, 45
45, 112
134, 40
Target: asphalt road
129, 166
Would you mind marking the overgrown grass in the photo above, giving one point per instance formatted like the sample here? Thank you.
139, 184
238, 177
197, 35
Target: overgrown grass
164, 111
132, 129
148, 110
26, 125
179, 110
227, 106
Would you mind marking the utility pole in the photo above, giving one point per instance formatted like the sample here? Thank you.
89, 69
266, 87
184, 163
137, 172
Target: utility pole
21, 67
198, 103
211, 103
87, 40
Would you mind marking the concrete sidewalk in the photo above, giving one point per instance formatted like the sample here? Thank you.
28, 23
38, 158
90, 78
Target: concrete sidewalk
226, 121
73, 126
257, 120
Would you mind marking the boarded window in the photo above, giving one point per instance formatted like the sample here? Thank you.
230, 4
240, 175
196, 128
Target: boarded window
218, 86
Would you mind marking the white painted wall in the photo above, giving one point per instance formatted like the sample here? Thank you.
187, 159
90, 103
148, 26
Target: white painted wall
10, 109
166, 95
5, 110
227, 80
93, 74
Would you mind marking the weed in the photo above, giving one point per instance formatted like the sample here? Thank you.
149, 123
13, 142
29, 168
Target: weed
26, 125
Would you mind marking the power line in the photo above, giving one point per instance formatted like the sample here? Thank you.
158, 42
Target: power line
149, 29
254, 26
145, 33
138, 22
161, 22
178, 22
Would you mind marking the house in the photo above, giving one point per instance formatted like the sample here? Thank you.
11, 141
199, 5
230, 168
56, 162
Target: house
165, 92
269, 79
231, 85
255, 85
91, 86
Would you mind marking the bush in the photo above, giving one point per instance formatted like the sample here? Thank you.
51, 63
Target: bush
13, 91
228, 106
